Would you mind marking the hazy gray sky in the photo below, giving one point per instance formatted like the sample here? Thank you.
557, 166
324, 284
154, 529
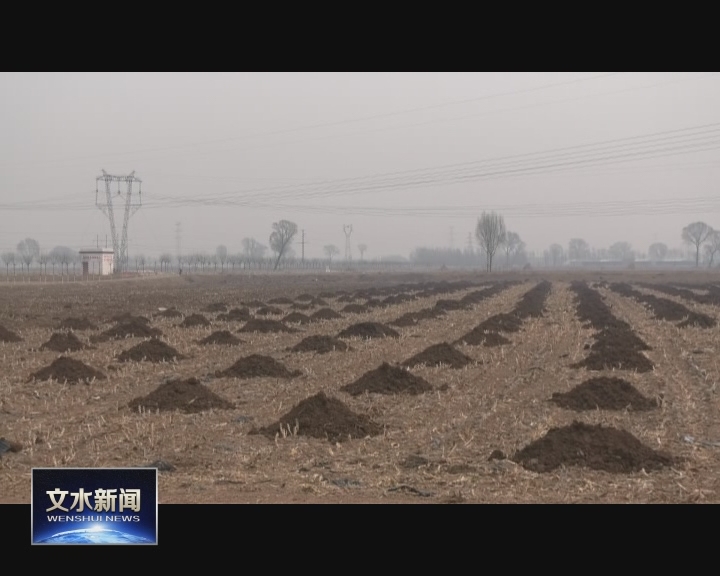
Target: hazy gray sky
403, 157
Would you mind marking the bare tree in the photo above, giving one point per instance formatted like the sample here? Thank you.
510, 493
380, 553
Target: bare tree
282, 236
28, 250
712, 247
621, 251
513, 245
557, 254
330, 251
578, 249
222, 253
9, 258
63, 256
490, 233
658, 251
362, 248
43, 260
165, 259
696, 234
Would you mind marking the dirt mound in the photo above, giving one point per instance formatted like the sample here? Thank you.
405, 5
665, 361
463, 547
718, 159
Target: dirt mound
347, 298
216, 307
254, 304
265, 326
503, 323
76, 324
65, 369
221, 337
321, 416
132, 329
368, 330
236, 314
298, 306
305, 298
257, 366
269, 310
478, 336
618, 348
320, 344
325, 314
412, 318
354, 308
127, 318
438, 354
153, 350
595, 447
194, 320
532, 304
281, 300
63, 342
188, 396
169, 313
297, 318
8, 336
450, 305
318, 302
397, 299
606, 394
388, 379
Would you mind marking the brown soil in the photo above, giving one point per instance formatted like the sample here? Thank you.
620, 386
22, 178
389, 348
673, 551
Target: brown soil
76, 324
63, 342
532, 303
665, 309
398, 299
450, 305
347, 298
320, 344
595, 447
254, 304
354, 308
127, 318
216, 307
305, 298
8, 336
194, 320
605, 394
325, 314
318, 302
265, 326
502, 323
65, 369
368, 330
477, 336
616, 345
439, 354
712, 297
188, 396
132, 329
236, 314
169, 313
412, 318
221, 337
269, 310
281, 300
325, 417
297, 318
257, 366
298, 306
388, 379
153, 350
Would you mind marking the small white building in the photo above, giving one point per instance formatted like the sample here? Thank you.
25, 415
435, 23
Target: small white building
97, 261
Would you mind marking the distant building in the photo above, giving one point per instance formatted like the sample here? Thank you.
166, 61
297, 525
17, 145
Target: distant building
97, 261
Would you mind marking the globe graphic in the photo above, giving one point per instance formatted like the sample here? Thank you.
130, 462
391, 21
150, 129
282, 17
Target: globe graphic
94, 536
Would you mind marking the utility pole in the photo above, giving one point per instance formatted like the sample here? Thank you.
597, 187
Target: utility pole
302, 243
178, 232
348, 230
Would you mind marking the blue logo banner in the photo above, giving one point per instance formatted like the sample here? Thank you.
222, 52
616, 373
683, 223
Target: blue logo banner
80, 506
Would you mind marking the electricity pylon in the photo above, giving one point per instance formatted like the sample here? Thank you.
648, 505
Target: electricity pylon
348, 231
120, 248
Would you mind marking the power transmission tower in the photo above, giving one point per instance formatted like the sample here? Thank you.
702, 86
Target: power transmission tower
120, 247
348, 230
178, 233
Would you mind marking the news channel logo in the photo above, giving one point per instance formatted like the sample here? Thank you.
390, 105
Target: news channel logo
86, 506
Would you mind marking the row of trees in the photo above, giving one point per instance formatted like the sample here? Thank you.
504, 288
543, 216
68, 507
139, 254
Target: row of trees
28, 251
